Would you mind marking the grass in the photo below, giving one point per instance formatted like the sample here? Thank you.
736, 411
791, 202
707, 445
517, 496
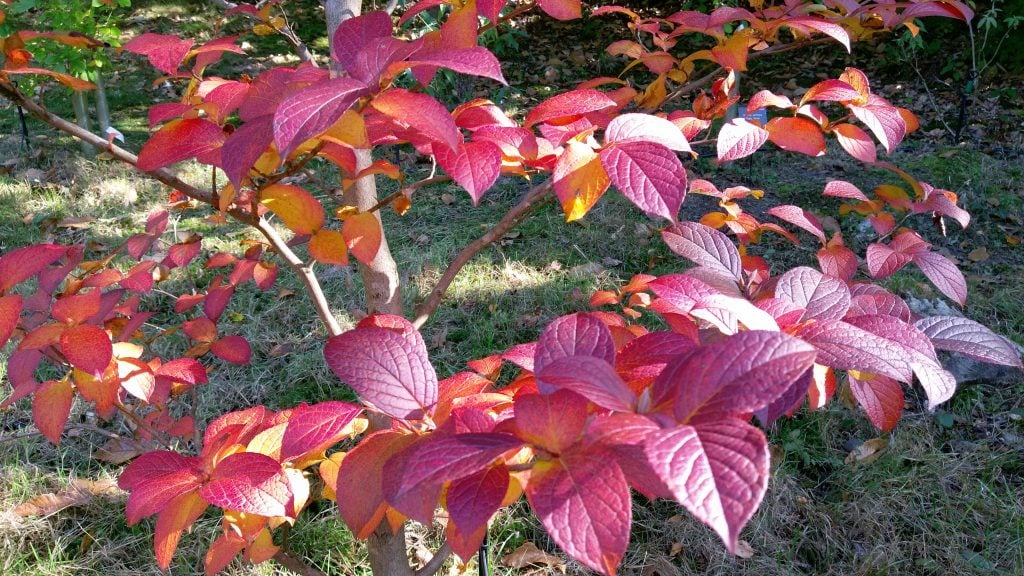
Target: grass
946, 497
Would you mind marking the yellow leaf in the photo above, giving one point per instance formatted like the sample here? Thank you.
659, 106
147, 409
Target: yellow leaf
297, 208
349, 130
580, 179
362, 236
328, 247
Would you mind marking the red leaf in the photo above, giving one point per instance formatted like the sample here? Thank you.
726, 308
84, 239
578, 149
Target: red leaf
573, 335
438, 459
76, 308
297, 208
884, 120
964, 336
717, 470
87, 348
592, 378
421, 113
646, 128
796, 135
802, 23
801, 218
179, 514
583, 502
733, 376
251, 483
883, 261
568, 107
388, 370
234, 349
705, 246
837, 260
360, 500
477, 61
355, 33
363, 236
561, 9
183, 370
217, 299
155, 479
822, 297
739, 138
881, 398
846, 347
856, 142
21, 264
51, 406
767, 98
10, 313
312, 110
879, 302
944, 275
474, 165
830, 90
645, 357
842, 189
315, 428
164, 52
244, 146
180, 140
553, 422
649, 174
471, 501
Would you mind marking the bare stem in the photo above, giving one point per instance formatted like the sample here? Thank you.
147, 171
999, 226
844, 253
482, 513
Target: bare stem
435, 563
525, 207
295, 564
304, 272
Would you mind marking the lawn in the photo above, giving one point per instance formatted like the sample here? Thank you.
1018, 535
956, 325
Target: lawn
944, 494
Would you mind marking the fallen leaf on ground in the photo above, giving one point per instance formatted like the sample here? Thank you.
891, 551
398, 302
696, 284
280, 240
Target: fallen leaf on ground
528, 554
79, 493
867, 452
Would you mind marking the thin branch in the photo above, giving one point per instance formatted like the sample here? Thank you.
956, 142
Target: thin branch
304, 272
407, 190
138, 421
301, 50
296, 565
169, 178
435, 563
512, 218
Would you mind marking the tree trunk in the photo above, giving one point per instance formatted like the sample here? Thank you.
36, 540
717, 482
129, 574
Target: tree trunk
387, 551
102, 110
380, 277
82, 119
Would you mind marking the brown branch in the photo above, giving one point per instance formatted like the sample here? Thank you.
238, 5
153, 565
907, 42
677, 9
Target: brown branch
301, 50
304, 272
435, 563
406, 190
296, 565
525, 207
707, 78
502, 19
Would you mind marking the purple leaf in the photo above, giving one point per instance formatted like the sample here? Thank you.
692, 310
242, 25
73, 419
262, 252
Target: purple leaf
735, 375
944, 275
790, 400
583, 502
822, 297
573, 335
801, 218
552, 421
471, 501
315, 428
846, 347
592, 378
388, 370
477, 61
646, 128
704, 246
312, 110
967, 337
244, 146
649, 174
717, 470
355, 33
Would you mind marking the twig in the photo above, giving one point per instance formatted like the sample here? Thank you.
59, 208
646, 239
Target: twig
296, 565
301, 50
168, 177
512, 218
407, 190
305, 273
138, 421
435, 563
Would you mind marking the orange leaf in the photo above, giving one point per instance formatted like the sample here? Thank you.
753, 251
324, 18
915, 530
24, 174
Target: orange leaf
262, 548
87, 348
51, 406
329, 473
580, 179
363, 236
328, 246
349, 130
733, 53
796, 135
179, 514
10, 312
298, 209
